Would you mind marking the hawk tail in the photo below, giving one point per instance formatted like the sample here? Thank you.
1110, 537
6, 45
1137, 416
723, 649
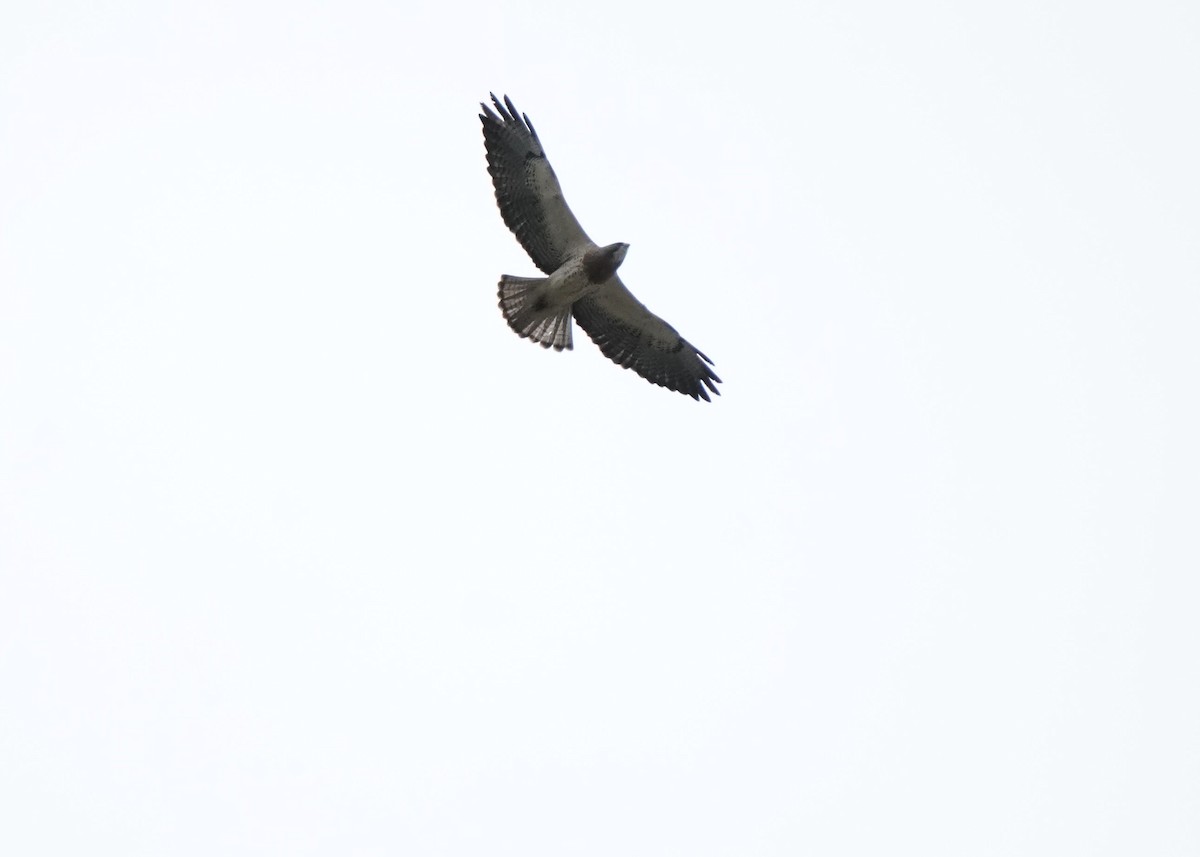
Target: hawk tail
530, 312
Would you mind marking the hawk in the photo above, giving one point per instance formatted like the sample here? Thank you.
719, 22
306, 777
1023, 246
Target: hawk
582, 277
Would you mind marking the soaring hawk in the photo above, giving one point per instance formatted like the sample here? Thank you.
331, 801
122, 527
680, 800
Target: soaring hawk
582, 277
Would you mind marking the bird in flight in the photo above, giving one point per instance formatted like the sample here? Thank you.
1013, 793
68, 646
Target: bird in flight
582, 277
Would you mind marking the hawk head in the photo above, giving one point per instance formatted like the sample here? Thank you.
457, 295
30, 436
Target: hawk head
603, 262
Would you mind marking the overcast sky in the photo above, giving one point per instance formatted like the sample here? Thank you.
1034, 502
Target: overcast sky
304, 552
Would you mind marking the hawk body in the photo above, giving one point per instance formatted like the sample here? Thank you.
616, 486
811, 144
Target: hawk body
582, 281
540, 308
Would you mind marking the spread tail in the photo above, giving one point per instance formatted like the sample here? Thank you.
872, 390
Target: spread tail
529, 311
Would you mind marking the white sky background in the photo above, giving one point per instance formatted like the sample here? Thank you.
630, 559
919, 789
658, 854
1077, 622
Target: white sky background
303, 551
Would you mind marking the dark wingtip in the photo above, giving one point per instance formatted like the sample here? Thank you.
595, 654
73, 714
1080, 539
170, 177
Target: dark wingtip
488, 115
509, 115
500, 107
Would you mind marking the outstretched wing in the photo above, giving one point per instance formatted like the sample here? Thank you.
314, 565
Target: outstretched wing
531, 202
634, 337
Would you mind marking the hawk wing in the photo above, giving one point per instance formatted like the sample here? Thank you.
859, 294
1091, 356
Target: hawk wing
632, 336
531, 201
